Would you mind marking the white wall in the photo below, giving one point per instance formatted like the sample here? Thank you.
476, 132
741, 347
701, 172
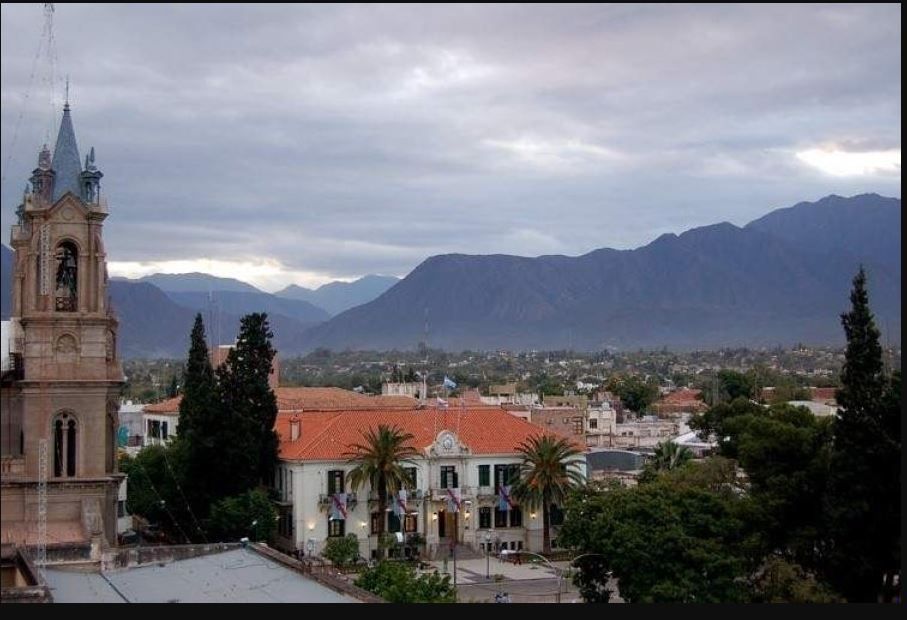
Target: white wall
309, 482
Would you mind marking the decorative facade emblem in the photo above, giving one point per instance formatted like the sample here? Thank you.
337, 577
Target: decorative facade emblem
66, 344
45, 259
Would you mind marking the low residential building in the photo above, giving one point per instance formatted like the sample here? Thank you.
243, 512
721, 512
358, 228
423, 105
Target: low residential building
679, 401
566, 421
454, 493
132, 426
413, 389
507, 394
646, 432
816, 408
159, 422
601, 424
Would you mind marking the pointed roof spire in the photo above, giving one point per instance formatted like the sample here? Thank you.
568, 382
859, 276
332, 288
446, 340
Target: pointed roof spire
66, 162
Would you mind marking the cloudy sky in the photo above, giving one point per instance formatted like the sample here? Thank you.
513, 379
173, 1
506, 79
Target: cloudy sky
302, 144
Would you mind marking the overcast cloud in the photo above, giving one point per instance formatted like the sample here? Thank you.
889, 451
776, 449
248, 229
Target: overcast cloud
307, 143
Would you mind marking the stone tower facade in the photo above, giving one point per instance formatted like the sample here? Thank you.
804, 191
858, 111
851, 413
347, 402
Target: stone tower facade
63, 378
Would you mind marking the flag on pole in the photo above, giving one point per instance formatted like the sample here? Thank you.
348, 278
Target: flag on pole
504, 501
400, 503
453, 500
338, 507
449, 384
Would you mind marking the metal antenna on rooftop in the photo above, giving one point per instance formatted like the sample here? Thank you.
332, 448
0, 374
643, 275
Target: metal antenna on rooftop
41, 559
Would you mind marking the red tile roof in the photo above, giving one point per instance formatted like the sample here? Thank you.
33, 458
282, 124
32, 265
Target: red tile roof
328, 435
683, 395
166, 407
822, 394
302, 398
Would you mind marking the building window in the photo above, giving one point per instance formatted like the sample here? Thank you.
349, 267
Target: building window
593, 423
335, 481
121, 509
65, 293
506, 475
409, 479
577, 426
65, 446
393, 522
484, 475
500, 518
376, 522
485, 517
164, 430
555, 515
410, 523
336, 527
449, 477
516, 517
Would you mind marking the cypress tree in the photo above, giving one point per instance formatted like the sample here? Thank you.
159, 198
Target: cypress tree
863, 506
250, 405
198, 423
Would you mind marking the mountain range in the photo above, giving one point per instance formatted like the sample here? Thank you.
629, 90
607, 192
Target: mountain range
781, 279
336, 297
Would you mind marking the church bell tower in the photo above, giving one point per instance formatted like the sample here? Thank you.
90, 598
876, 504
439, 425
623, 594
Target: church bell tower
64, 378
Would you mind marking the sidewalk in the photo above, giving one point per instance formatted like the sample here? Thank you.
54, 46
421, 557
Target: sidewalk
473, 571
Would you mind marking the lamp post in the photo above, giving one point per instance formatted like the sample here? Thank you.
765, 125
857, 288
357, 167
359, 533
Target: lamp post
487, 555
560, 577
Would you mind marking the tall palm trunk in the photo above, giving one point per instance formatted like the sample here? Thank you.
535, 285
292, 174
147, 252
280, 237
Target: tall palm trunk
546, 532
382, 514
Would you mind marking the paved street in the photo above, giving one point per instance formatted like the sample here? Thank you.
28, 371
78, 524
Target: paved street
529, 582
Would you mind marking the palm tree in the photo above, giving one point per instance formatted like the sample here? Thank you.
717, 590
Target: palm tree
546, 476
379, 462
669, 455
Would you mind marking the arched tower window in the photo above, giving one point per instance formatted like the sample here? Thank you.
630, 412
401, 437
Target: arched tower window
65, 446
67, 279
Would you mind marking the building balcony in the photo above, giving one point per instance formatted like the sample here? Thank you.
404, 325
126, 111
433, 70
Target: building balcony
12, 468
440, 495
324, 499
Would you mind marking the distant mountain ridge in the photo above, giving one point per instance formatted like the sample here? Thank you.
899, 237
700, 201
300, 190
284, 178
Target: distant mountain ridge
196, 282
336, 297
783, 278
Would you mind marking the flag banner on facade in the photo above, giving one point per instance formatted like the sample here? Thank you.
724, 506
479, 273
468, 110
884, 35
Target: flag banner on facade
453, 500
400, 503
338, 506
504, 501
449, 384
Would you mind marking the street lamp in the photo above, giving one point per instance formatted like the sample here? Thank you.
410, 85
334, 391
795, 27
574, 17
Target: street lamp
557, 571
487, 555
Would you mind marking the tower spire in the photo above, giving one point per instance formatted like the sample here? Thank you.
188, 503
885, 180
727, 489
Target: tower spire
66, 162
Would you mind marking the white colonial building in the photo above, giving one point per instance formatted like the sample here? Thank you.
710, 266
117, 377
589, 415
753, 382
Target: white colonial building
465, 458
